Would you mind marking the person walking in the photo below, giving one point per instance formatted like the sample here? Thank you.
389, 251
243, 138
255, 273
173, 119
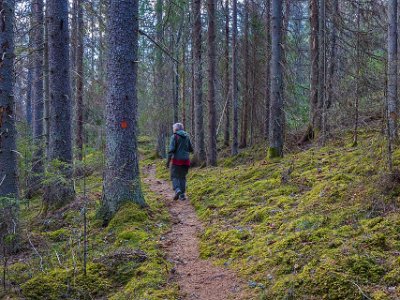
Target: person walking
180, 147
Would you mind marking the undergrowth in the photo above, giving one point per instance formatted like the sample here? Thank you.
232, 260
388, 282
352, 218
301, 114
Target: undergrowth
318, 224
125, 260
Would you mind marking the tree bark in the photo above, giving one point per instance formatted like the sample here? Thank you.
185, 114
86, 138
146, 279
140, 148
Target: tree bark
79, 106
235, 101
227, 78
8, 159
268, 67
59, 192
199, 153
314, 51
392, 113
276, 126
212, 115
37, 94
121, 177
246, 91
392, 70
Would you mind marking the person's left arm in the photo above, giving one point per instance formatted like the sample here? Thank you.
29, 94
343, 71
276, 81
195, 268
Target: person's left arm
171, 151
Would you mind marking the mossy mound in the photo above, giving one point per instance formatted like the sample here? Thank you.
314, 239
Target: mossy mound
317, 224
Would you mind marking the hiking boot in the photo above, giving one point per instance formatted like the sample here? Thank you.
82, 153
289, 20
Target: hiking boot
182, 197
178, 195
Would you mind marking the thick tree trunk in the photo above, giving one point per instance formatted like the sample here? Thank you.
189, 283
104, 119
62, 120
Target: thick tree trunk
268, 67
314, 51
59, 192
235, 101
333, 53
227, 78
199, 153
8, 159
212, 114
37, 94
79, 106
276, 126
121, 177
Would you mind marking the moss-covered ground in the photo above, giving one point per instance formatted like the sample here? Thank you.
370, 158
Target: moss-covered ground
322, 223
125, 260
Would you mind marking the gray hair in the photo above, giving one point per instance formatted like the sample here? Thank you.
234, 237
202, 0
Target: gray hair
177, 126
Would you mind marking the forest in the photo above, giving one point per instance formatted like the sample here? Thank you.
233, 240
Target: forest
290, 108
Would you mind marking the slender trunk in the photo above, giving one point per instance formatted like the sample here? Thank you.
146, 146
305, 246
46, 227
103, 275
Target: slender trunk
227, 78
268, 67
183, 86
212, 114
59, 192
121, 176
392, 113
46, 85
79, 106
276, 127
8, 159
192, 102
37, 95
333, 53
314, 50
321, 65
246, 92
29, 96
200, 154
235, 104
358, 73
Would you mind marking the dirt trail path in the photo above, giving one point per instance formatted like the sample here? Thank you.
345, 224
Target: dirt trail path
197, 278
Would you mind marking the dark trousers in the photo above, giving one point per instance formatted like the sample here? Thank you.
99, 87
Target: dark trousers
178, 177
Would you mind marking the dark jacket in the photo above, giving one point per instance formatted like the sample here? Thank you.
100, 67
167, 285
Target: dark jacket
179, 148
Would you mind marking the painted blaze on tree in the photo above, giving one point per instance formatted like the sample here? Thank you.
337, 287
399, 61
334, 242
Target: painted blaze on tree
121, 177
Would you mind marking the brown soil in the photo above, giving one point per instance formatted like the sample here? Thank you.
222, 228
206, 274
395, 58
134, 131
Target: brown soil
197, 278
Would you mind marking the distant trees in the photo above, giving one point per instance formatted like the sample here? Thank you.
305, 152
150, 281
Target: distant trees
121, 175
59, 191
8, 160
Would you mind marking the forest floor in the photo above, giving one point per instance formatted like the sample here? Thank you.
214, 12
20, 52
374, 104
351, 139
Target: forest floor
197, 278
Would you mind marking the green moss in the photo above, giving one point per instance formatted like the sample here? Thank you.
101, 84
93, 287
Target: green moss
327, 233
59, 235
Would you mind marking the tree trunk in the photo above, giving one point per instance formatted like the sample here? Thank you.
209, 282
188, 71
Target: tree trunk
29, 95
59, 192
392, 114
183, 86
322, 69
212, 114
227, 78
79, 107
37, 94
199, 153
8, 159
268, 67
333, 53
314, 51
235, 101
276, 126
121, 177
246, 93
46, 72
